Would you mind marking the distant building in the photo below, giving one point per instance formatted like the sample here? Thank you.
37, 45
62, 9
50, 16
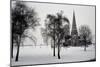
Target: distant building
74, 33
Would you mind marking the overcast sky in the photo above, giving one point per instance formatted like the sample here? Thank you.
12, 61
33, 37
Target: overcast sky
84, 14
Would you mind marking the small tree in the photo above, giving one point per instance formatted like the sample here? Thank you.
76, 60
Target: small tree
22, 17
50, 26
60, 29
85, 34
44, 35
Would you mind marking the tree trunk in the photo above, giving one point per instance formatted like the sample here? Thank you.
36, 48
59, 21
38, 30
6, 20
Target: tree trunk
85, 48
18, 46
58, 49
85, 45
54, 40
54, 48
12, 49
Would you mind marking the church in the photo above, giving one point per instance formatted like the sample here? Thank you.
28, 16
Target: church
72, 38
74, 32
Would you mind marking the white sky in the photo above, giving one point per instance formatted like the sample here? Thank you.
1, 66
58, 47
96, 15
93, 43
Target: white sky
84, 14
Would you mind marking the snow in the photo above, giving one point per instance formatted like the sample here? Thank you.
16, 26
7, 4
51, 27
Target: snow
44, 54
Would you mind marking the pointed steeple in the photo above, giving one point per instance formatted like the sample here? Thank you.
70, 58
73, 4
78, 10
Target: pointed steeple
74, 26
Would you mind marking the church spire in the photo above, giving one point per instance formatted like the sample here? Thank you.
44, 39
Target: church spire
74, 26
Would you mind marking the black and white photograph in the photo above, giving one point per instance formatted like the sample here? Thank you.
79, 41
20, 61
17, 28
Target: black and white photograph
51, 33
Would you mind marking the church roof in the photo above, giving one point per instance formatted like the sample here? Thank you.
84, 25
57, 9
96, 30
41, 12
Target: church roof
74, 26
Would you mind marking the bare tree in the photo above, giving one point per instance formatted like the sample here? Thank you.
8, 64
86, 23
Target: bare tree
85, 34
27, 34
44, 35
56, 29
50, 26
60, 32
22, 17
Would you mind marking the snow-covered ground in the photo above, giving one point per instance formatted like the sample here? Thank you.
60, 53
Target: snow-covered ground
44, 54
